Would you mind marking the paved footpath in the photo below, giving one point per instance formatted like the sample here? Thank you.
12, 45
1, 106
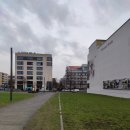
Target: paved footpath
15, 116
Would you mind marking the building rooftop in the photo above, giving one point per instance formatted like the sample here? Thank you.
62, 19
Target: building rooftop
98, 42
30, 53
73, 67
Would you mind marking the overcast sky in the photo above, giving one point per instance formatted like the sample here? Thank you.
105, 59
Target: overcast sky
64, 28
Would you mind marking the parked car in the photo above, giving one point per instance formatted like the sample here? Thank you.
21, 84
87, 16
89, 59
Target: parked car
76, 90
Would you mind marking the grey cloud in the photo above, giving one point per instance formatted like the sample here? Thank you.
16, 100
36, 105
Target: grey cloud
48, 11
16, 33
19, 36
105, 10
79, 51
49, 44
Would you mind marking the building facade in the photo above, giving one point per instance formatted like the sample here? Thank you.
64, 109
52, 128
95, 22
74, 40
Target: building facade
109, 64
75, 77
33, 70
3, 79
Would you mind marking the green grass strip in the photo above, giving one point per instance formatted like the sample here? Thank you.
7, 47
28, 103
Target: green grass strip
17, 96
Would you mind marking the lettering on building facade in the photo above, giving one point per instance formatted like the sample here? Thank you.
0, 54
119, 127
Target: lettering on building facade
108, 44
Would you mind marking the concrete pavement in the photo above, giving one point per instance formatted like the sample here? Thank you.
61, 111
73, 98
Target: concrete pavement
15, 116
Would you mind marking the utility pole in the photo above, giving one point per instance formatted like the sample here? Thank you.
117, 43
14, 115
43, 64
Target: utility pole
86, 85
11, 73
24, 82
44, 85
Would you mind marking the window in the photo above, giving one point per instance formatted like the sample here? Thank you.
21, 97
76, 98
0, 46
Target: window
29, 77
29, 68
24, 58
39, 63
19, 67
39, 58
39, 73
19, 62
19, 57
29, 83
39, 77
49, 63
82, 74
19, 72
49, 58
19, 77
73, 74
39, 68
29, 72
85, 82
29, 58
19, 82
29, 63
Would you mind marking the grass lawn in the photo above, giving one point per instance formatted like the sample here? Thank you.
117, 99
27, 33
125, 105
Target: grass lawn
83, 111
17, 96
47, 117
95, 112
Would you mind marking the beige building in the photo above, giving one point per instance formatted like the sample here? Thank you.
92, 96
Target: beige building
33, 70
3, 79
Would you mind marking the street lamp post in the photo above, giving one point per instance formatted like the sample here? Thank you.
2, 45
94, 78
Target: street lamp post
11, 74
86, 87
24, 82
44, 84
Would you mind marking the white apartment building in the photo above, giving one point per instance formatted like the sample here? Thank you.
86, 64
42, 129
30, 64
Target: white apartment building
75, 77
33, 70
109, 64
3, 79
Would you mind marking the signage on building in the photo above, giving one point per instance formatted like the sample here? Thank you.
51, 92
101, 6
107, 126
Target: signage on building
108, 44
